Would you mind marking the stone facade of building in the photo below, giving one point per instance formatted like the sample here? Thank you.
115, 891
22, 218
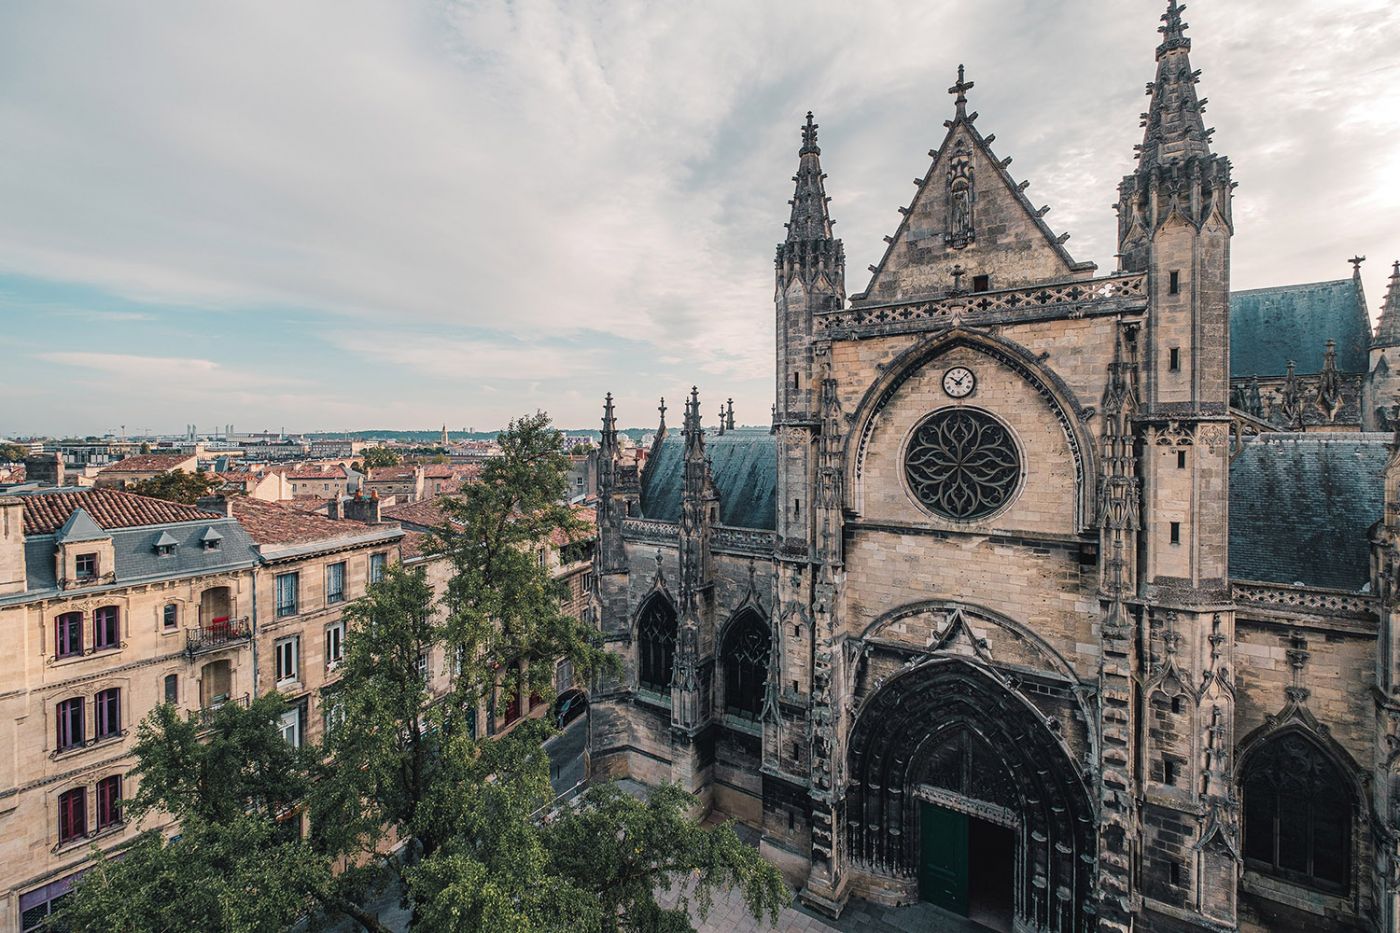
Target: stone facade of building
1012, 609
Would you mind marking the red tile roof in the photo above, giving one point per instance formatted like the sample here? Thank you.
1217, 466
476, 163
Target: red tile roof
317, 471
273, 523
148, 463
414, 544
45, 512
427, 512
390, 474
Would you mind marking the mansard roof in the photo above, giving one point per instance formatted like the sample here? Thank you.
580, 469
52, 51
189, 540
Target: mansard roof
1301, 507
1270, 326
743, 467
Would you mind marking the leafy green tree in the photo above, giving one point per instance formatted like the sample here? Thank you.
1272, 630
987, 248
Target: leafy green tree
227, 779
145, 447
13, 453
621, 850
177, 486
379, 457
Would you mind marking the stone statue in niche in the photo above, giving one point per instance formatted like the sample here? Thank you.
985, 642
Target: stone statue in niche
960, 197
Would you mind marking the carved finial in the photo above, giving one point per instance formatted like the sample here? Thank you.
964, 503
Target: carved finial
957, 272
729, 416
809, 137
1173, 30
961, 89
662, 408
1356, 262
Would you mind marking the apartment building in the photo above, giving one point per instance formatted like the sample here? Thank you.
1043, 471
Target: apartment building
110, 603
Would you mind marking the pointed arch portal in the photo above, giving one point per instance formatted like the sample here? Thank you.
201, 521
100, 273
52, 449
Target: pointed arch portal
961, 783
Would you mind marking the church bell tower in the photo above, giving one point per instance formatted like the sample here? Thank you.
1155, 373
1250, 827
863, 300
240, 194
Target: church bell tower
1174, 219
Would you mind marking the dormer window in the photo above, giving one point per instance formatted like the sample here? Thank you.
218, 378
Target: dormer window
211, 540
85, 566
166, 544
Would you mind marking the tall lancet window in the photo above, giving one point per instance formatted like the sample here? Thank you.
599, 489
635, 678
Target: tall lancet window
1298, 814
656, 644
745, 656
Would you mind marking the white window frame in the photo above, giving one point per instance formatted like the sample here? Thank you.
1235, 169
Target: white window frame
287, 659
290, 722
295, 578
344, 576
335, 639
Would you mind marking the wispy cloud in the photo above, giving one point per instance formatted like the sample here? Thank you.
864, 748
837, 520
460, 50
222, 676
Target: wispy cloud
381, 170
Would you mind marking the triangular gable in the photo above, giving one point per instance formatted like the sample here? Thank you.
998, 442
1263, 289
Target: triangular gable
968, 212
80, 527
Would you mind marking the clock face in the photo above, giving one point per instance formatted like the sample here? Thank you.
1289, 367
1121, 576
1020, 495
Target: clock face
959, 382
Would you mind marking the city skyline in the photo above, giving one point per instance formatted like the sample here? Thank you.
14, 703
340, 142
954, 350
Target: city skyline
400, 215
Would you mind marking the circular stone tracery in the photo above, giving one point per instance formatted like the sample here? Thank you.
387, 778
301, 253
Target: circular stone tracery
962, 463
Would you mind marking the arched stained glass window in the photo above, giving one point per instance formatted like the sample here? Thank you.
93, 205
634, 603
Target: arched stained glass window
656, 644
745, 654
1298, 813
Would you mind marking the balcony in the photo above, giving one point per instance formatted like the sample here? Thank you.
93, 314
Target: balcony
205, 714
220, 633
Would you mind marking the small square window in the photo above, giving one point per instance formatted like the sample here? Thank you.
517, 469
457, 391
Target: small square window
981, 283
85, 566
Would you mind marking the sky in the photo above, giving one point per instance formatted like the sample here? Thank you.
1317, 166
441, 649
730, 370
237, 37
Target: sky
345, 214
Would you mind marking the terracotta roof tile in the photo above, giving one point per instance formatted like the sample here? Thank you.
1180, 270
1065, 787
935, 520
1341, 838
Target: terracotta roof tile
45, 512
390, 474
425, 512
274, 523
148, 463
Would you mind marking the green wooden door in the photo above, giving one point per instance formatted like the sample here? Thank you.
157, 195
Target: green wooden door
943, 857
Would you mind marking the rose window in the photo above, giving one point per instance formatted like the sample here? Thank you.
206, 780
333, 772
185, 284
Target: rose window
962, 463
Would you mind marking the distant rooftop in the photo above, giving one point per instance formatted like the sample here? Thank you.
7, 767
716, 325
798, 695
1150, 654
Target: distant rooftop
1270, 326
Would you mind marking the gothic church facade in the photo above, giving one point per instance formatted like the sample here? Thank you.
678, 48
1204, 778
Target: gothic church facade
1027, 603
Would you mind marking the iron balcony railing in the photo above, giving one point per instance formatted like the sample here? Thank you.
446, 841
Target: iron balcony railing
204, 714
217, 634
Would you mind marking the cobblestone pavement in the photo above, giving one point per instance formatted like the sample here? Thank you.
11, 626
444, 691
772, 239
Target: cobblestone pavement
728, 913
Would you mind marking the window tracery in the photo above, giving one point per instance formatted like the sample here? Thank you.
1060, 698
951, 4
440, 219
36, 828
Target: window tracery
962, 464
656, 645
745, 655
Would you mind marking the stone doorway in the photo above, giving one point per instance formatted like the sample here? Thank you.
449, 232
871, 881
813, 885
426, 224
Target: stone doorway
966, 866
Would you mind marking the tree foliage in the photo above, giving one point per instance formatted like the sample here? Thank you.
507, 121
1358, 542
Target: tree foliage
482, 849
177, 486
378, 457
13, 453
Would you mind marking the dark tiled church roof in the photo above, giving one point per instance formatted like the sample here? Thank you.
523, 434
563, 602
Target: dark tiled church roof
743, 464
1270, 326
1301, 506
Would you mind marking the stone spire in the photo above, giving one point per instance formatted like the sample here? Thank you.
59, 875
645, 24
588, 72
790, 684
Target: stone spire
810, 218
1388, 327
607, 446
1174, 131
810, 251
729, 416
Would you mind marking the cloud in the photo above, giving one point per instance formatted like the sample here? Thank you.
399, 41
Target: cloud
128, 365
565, 170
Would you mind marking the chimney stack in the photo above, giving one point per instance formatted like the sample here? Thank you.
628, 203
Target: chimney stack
220, 504
45, 469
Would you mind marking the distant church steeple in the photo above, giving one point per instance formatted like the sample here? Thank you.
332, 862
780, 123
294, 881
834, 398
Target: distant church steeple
1388, 327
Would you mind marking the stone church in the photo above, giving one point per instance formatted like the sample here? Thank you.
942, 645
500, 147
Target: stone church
1060, 599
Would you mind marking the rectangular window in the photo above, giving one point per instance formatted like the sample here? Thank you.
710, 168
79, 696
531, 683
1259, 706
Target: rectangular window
332, 714
72, 814
109, 801
796, 508
172, 688
287, 586
335, 644
376, 567
335, 583
290, 726
107, 709
1174, 286
170, 616
1174, 362
70, 724
1176, 532
106, 628
981, 283
1181, 459
422, 665
1168, 772
85, 566
1176, 874
286, 652
68, 635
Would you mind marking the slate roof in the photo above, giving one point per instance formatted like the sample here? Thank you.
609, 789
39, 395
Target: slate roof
744, 468
46, 510
1270, 326
1301, 507
80, 527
